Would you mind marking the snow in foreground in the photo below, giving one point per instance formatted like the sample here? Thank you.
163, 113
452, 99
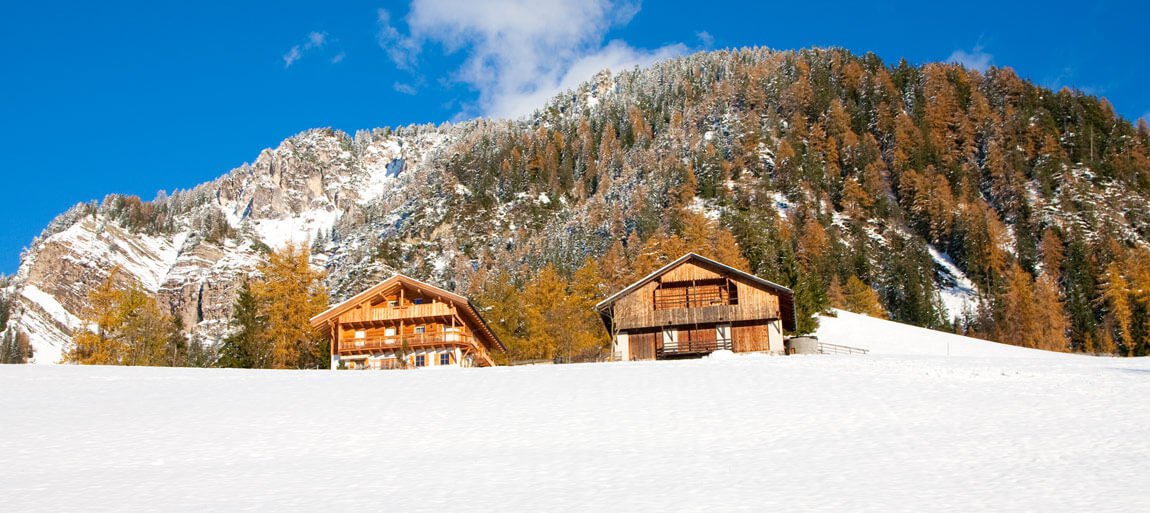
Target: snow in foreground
742, 433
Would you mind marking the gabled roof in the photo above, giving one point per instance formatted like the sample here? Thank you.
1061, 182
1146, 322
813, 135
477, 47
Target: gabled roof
786, 308
468, 309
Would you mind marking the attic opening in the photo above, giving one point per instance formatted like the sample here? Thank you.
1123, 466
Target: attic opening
696, 294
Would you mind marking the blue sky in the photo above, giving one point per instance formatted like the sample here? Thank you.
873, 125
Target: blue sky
135, 97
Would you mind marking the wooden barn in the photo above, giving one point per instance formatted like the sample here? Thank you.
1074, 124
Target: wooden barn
405, 323
694, 306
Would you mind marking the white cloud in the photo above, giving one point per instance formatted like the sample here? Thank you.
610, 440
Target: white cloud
519, 53
403, 51
706, 39
975, 59
401, 87
291, 56
339, 57
314, 40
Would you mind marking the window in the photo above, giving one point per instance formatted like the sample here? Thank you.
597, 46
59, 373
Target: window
393, 303
445, 358
420, 329
670, 339
695, 294
723, 336
361, 334
420, 360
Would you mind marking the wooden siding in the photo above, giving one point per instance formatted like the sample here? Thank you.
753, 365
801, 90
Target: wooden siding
687, 272
750, 337
696, 298
363, 329
637, 309
382, 313
643, 345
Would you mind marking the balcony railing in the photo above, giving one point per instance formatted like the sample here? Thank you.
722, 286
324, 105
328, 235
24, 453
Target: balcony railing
685, 347
400, 312
372, 344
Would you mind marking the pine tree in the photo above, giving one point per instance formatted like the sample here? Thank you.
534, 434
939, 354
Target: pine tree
248, 346
290, 292
614, 270
1053, 323
861, 298
543, 301
101, 314
502, 307
587, 339
144, 328
130, 327
1018, 323
835, 295
14, 347
1115, 298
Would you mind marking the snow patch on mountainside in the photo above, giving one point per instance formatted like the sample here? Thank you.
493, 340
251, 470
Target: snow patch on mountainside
301, 229
382, 163
41, 322
50, 306
145, 257
959, 295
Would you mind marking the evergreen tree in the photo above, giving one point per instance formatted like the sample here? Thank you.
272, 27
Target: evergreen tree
907, 284
289, 292
861, 298
14, 347
544, 322
121, 326
835, 295
248, 346
1115, 299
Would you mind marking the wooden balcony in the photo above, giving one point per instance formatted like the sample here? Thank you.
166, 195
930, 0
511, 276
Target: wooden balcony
692, 347
419, 341
714, 314
381, 315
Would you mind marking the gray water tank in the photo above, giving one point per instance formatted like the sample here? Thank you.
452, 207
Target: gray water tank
802, 345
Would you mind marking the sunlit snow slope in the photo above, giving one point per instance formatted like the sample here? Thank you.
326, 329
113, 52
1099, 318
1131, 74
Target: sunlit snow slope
742, 433
892, 338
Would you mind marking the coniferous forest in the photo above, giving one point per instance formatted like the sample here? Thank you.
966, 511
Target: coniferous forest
853, 181
1038, 196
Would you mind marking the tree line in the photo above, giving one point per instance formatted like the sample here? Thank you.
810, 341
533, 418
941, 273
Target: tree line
14, 344
124, 325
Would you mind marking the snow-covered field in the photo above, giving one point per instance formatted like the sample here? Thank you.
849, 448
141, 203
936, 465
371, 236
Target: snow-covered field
740, 433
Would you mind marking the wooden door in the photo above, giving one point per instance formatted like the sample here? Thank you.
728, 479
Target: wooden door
641, 345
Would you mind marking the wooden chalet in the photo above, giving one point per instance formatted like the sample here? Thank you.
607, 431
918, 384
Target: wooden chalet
694, 306
404, 323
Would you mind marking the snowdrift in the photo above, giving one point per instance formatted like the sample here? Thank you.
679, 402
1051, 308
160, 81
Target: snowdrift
882, 337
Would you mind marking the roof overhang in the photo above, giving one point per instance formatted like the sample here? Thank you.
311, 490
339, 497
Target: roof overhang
321, 321
789, 322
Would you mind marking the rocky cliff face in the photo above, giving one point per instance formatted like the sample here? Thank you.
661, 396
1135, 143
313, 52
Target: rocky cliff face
293, 193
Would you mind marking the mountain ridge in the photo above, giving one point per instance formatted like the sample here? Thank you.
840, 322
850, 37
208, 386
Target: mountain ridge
772, 142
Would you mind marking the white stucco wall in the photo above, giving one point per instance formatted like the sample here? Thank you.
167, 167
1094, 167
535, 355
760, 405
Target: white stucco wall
623, 346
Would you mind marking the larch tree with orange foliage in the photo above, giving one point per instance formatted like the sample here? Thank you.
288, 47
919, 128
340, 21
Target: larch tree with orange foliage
290, 292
